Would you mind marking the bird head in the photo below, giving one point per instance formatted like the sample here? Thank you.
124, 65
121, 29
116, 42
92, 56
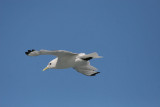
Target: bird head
51, 64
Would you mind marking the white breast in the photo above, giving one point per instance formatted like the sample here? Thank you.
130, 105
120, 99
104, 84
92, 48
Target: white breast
64, 62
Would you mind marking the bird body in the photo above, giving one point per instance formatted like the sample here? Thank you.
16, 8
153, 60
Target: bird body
63, 62
65, 59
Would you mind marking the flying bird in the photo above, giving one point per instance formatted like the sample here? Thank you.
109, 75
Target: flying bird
65, 59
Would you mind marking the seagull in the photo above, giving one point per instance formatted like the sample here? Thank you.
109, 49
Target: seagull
65, 59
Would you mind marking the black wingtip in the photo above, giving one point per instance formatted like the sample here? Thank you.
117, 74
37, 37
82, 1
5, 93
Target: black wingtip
29, 51
26, 53
86, 59
95, 74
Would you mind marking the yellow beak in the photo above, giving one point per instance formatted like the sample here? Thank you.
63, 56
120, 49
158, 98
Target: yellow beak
45, 68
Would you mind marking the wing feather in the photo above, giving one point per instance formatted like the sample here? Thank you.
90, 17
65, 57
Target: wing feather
86, 69
57, 53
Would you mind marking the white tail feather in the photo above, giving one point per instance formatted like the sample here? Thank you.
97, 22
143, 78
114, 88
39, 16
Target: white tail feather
93, 55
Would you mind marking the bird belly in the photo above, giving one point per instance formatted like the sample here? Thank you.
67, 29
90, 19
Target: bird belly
63, 63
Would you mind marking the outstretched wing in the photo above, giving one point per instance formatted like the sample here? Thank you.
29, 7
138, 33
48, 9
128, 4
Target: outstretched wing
57, 53
86, 69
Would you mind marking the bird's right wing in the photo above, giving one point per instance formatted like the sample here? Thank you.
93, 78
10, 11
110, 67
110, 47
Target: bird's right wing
86, 69
57, 53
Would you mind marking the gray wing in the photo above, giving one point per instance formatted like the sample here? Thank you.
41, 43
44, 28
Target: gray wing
57, 53
86, 69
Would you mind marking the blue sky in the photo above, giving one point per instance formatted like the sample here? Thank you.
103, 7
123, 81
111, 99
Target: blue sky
126, 33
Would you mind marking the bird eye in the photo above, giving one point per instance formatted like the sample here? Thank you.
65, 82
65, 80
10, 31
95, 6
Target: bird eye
49, 63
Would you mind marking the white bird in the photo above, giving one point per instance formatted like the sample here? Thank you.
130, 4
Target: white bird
65, 59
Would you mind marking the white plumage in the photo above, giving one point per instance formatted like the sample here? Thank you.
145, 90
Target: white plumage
66, 59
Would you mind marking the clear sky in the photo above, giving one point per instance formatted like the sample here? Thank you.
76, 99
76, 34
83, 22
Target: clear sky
125, 32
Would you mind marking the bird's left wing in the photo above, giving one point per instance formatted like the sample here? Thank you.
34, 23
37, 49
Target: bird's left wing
57, 53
